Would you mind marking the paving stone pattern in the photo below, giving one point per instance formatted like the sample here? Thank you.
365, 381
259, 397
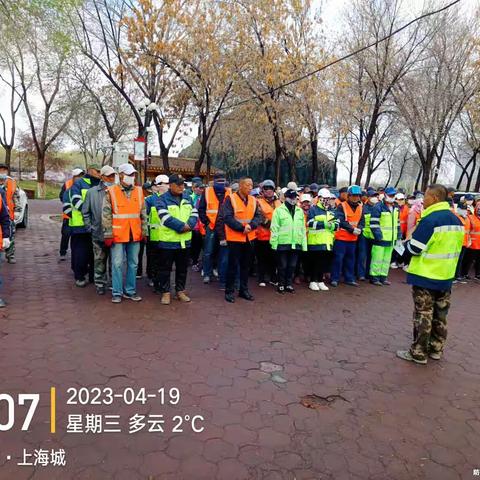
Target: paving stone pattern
292, 387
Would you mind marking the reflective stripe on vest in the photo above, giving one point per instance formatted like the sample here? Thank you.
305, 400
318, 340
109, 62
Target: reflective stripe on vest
68, 184
154, 225
10, 187
263, 232
438, 261
213, 204
353, 218
76, 220
389, 225
243, 214
474, 231
126, 214
324, 235
181, 212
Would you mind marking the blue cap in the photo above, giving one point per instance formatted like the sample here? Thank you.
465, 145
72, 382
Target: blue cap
372, 193
354, 190
469, 196
390, 191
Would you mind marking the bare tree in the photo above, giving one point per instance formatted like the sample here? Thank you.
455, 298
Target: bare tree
376, 71
434, 94
9, 120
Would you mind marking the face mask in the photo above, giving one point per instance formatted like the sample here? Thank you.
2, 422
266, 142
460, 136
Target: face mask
374, 200
291, 201
109, 184
129, 181
3, 176
389, 199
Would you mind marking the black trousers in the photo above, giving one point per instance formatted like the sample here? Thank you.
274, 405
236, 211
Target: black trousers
286, 263
196, 248
82, 255
239, 258
320, 261
140, 259
167, 257
65, 238
471, 259
266, 262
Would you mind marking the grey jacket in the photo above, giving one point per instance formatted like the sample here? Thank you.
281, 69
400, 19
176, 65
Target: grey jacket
92, 211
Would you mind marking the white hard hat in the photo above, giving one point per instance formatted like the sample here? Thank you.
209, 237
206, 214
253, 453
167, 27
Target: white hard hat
305, 197
400, 196
160, 179
126, 168
324, 193
292, 186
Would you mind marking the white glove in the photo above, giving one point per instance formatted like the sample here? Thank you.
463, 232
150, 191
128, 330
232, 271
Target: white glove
5, 243
223, 243
399, 242
357, 231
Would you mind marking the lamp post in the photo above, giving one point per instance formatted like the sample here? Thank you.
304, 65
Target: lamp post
146, 108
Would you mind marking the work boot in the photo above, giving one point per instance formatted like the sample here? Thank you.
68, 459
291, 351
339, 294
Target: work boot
81, 283
334, 283
116, 299
183, 297
281, 290
63, 257
206, 279
406, 355
230, 297
165, 300
352, 284
386, 282
2, 303
289, 289
246, 295
101, 290
11, 260
435, 355
378, 283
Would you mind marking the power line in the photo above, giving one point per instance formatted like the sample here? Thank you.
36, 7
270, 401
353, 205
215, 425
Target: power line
330, 64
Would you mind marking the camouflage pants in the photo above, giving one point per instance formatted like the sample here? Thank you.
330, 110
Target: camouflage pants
100, 263
429, 321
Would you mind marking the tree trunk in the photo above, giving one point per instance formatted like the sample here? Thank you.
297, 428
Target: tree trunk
314, 148
427, 170
419, 176
477, 183
362, 161
209, 163
292, 171
8, 156
41, 190
278, 154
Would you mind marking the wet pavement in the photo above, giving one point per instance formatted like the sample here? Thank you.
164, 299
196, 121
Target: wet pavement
301, 386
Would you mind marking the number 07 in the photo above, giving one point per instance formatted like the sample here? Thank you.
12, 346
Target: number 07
34, 398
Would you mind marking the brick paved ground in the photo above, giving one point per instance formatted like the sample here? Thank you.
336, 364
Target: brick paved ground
398, 420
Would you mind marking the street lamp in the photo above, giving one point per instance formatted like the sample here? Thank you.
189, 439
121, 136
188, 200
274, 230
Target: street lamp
146, 108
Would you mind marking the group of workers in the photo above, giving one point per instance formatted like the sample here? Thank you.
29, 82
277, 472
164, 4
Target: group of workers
230, 231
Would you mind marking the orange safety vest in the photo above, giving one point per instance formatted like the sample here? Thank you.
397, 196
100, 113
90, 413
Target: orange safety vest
1, 234
10, 187
126, 219
263, 233
213, 205
474, 231
243, 214
353, 218
68, 186
466, 227
403, 217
